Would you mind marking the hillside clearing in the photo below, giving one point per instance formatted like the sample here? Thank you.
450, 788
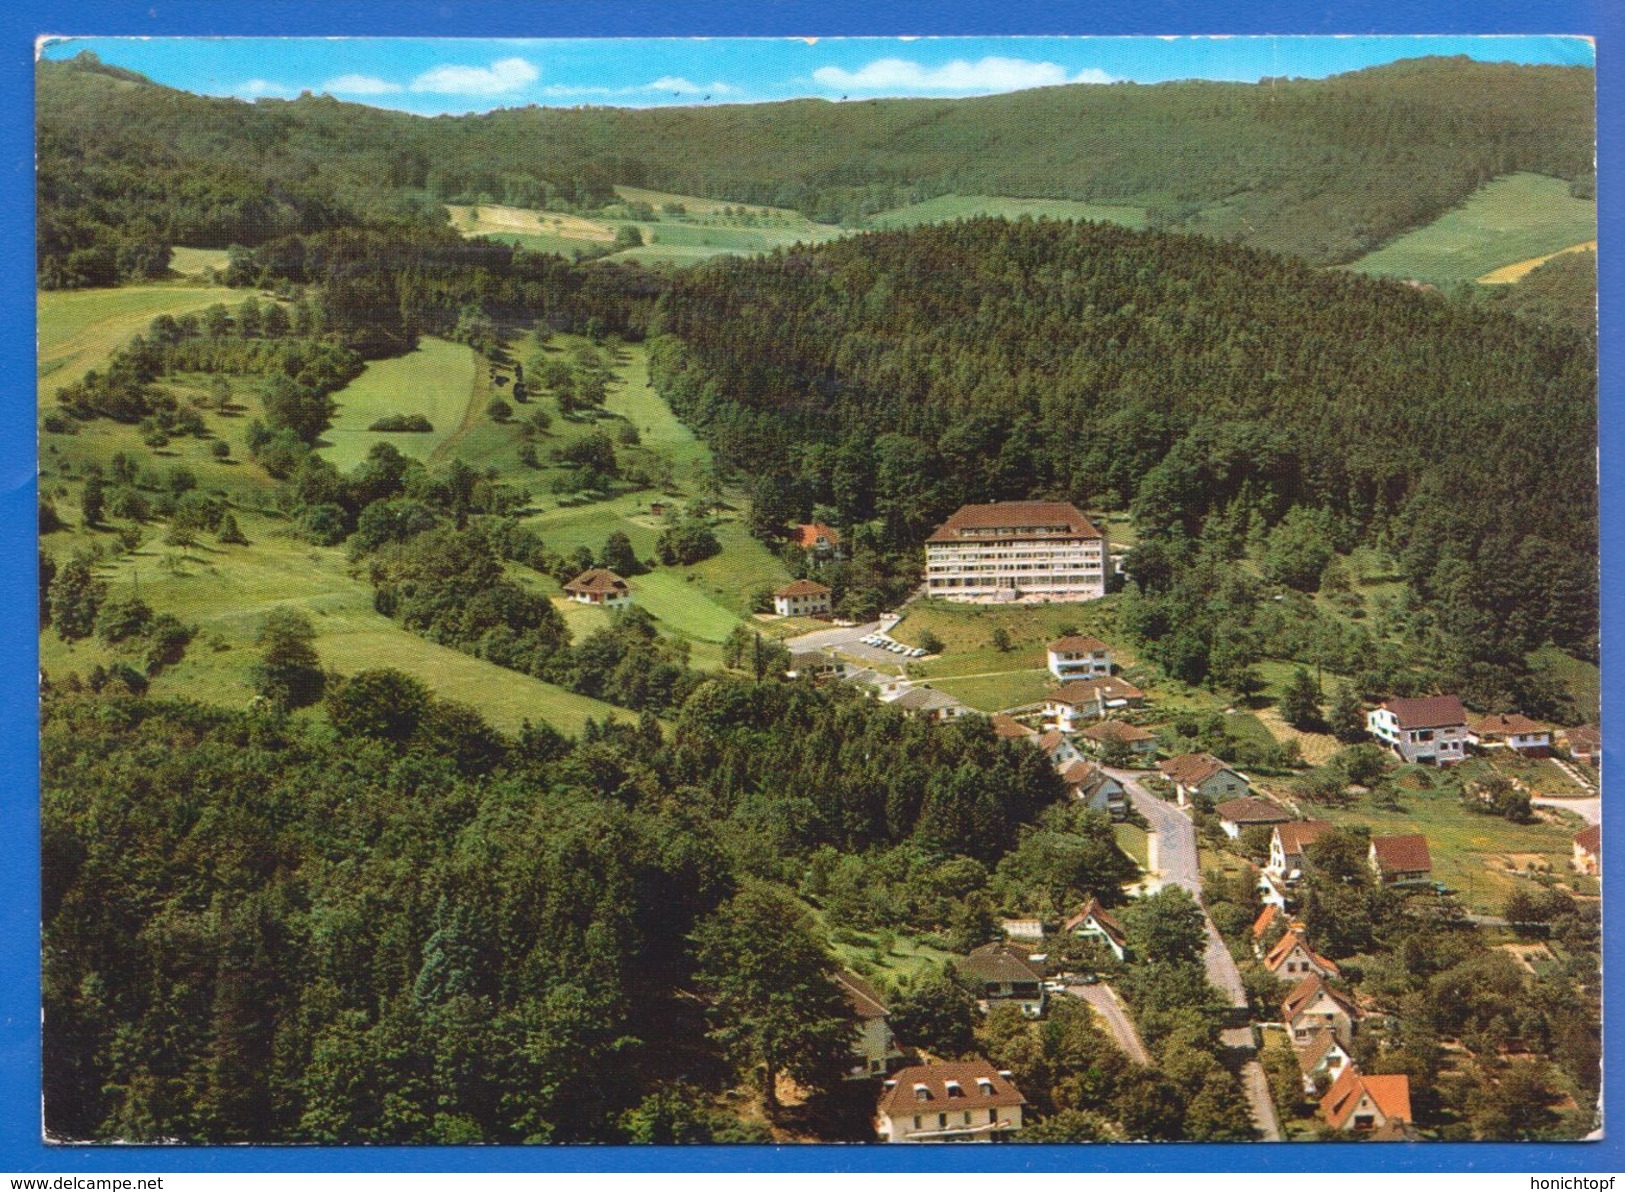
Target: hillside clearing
435, 380
80, 329
1512, 273
946, 208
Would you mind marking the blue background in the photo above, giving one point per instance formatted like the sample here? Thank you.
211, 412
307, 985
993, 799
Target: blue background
20, 1146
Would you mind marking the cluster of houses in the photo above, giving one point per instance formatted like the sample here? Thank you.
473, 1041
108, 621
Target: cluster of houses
1436, 730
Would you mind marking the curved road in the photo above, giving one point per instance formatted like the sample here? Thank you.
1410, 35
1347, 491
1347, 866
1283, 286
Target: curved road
1104, 1000
1180, 866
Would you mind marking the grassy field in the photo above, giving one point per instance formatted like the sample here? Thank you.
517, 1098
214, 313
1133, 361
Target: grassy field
436, 380
993, 693
1581, 679
694, 205
946, 208
967, 628
80, 329
1506, 221
193, 262
1131, 838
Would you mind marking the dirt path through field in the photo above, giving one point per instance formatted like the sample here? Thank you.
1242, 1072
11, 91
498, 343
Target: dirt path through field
1507, 274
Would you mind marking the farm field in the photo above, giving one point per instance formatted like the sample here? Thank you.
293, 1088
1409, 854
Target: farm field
1507, 221
490, 218
946, 208
436, 380
695, 205
80, 329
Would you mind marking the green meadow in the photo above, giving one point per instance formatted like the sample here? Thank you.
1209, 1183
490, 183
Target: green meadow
946, 208
436, 380
80, 329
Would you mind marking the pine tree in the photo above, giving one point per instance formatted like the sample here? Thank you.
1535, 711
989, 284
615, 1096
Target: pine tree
1347, 717
228, 533
1300, 703
93, 501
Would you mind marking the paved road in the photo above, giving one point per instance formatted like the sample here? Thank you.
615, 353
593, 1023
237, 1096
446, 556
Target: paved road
1106, 1004
1589, 810
846, 640
1181, 866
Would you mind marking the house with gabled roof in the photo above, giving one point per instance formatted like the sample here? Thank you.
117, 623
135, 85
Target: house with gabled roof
876, 1047
1431, 730
1400, 860
1584, 743
1060, 751
1236, 815
1322, 1059
1511, 730
930, 704
1008, 728
967, 1101
1202, 774
1312, 1004
817, 538
1083, 700
1078, 656
1002, 972
1588, 851
1095, 922
1268, 919
1368, 1104
1272, 891
1095, 789
1287, 845
802, 598
600, 586
1292, 959
1103, 734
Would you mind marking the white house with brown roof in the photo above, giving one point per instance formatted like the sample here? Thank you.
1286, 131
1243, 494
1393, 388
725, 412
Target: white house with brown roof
876, 1047
1378, 1105
1511, 730
1008, 728
600, 586
1237, 815
1078, 656
1194, 774
817, 538
1095, 922
968, 1101
1060, 751
1292, 959
1588, 851
1400, 860
1104, 734
1287, 845
927, 703
1029, 551
1095, 789
1005, 973
1322, 1059
802, 598
1315, 1005
1584, 743
1431, 730
1082, 700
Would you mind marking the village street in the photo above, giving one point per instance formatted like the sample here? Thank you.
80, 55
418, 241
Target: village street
1106, 1004
1178, 864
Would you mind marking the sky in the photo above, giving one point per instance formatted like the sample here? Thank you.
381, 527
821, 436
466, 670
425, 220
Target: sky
434, 77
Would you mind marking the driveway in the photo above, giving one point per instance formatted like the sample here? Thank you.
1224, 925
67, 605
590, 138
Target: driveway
1106, 1004
1589, 810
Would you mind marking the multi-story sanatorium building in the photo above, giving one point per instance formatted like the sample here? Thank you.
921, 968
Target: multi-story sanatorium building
1032, 551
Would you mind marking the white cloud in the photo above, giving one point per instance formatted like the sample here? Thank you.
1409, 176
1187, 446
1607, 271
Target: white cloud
258, 87
991, 74
682, 86
358, 84
504, 75
667, 84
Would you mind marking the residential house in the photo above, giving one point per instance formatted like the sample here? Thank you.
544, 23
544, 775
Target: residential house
802, 598
969, 1101
600, 586
1287, 845
1079, 657
1322, 1059
1584, 743
876, 1047
1060, 751
1095, 788
1588, 851
1380, 1105
877, 684
1030, 551
1400, 860
1292, 959
1104, 734
1272, 891
1236, 815
1511, 730
817, 539
1202, 774
1031, 930
1094, 922
1431, 730
1006, 973
1008, 728
930, 704
1313, 1005
1268, 919
1089, 699
814, 664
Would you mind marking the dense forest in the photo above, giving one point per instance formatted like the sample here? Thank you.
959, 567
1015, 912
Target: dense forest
1227, 397
1323, 169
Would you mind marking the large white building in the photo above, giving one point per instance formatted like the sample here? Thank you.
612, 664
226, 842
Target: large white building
1033, 551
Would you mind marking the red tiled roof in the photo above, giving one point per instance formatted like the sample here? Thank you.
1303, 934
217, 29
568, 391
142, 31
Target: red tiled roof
1300, 834
999, 962
1285, 946
1314, 1049
1590, 840
1093, 910
1251, 811
1430, 711
1585, 737
865, 1001
927, 1084
803, 587
1051, 741
1266, 918
1078, 773
597, 579
1108, 731
1025, 519
1401, 854
1306, 991
1077, 644
1009, 728
1391, 1094
1191, 769
1088, 691
1507, 724
807, 535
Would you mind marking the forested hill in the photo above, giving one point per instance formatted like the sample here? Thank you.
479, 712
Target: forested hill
1210, 388
1324, 169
